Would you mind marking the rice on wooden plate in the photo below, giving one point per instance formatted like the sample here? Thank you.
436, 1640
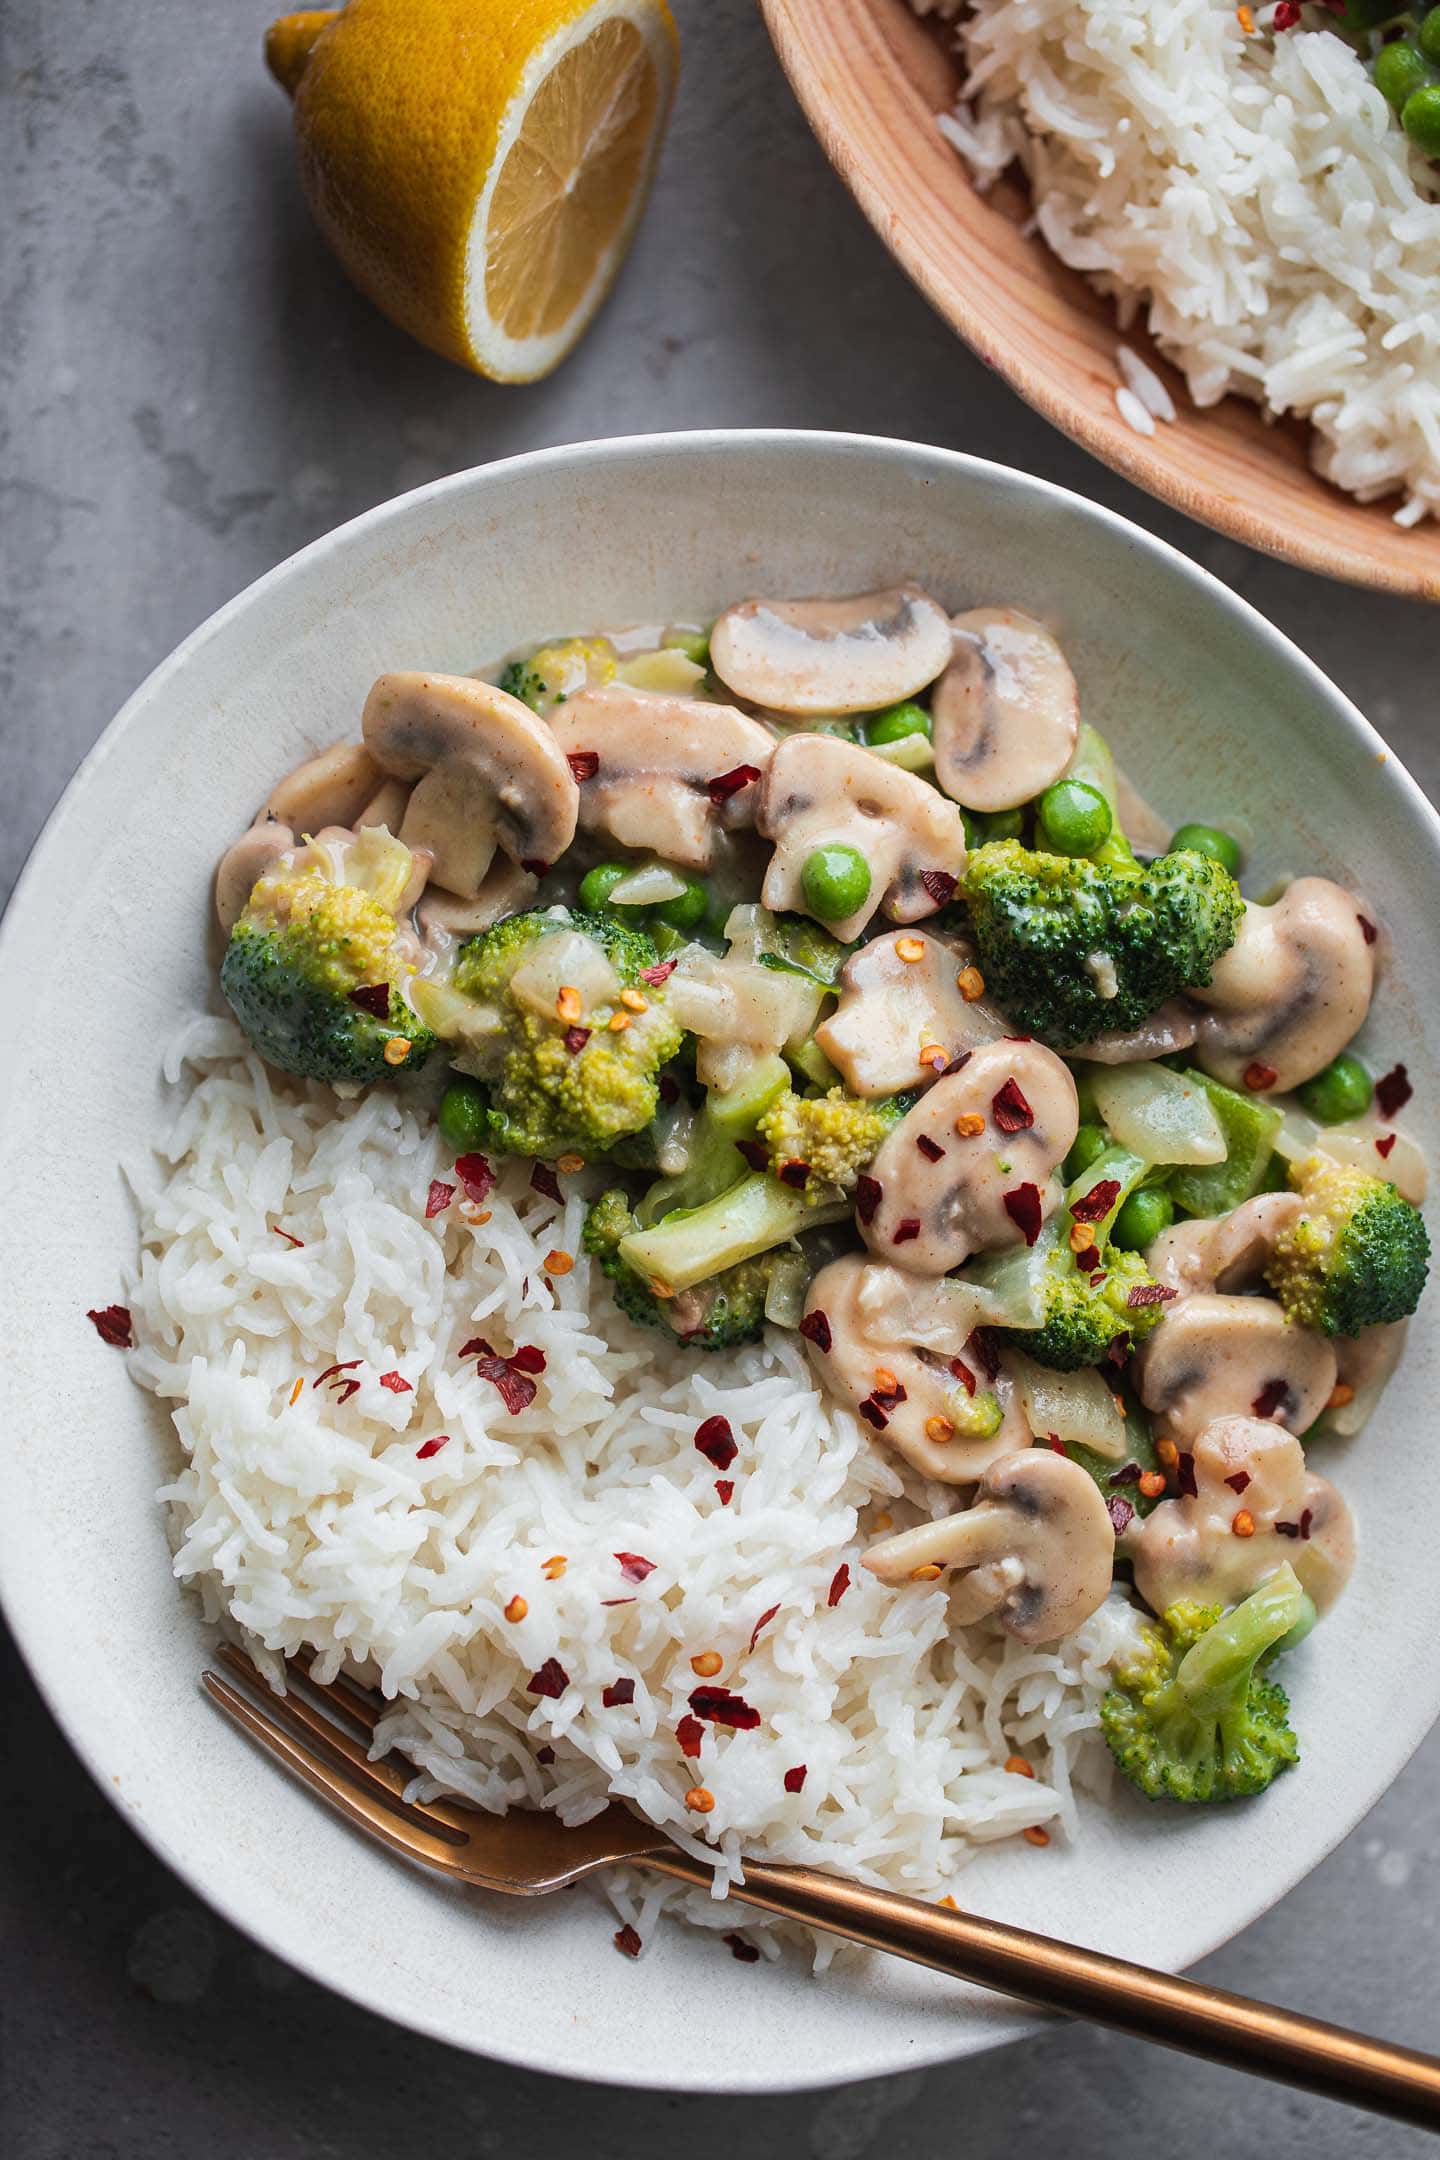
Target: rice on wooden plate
284, 1235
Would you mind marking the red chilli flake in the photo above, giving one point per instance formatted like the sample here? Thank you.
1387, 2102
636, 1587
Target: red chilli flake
1088, 1260
839, 1584
289, 1237
957, 1064
930, 1149
763, 1622
1120, 1512
1269, 1399
794, 1173
634, 1566
397, 1383
960, 1371
112, 1323
373, 998
874, 1412
333, 1372
510, 1376
1023, 1207
544, 1180
1238, 1483
1010, 1110
477, 1177
754, 1152
1286, 15
795, 1779
661, 972
626, 1939
907, 1229
715, 1439
551, 1681
1257, 1075
719, 1707
438, 1198
432, 1447
725, 1487
545, 1754
689, 1732
980, 1344
939, 884
726, 784
618, 1694
1148, 1293
584, 764
746, 1952
575, 1039
1393, 1091
868, 1194
815, 1327
1185, 1476
1127, 1474
1384, 1144
1096, 1204
534, 865
1367, 929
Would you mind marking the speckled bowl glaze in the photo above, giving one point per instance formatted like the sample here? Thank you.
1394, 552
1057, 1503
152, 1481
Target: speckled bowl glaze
1217, 716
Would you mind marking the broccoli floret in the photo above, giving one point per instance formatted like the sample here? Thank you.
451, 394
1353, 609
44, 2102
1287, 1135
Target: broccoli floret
1190, 1717
720, 1312
316, 967
560, 1078
1358, 1256
555, 672
1073, 948
830, 1138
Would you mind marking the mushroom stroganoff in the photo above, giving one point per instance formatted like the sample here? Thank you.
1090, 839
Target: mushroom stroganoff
776, 1085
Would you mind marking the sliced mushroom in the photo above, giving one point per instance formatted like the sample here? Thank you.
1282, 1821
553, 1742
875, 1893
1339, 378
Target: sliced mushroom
445, 919
738, 1011
1213, 1357
333, 788
943, 1190
891, 1347
823, 792
1292, 990
254, 852
832, 656
1037, 1548
1224, 1252
669, 773
1006, 710
894, 1012
1171, 1027
1252, 1473
489, 773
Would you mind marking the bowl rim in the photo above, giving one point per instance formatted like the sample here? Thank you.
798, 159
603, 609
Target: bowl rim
600, 454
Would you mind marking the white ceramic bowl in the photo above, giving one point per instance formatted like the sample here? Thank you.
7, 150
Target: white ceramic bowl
103, 955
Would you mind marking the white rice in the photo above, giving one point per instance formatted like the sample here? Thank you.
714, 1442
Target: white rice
1253, 192
314, 1521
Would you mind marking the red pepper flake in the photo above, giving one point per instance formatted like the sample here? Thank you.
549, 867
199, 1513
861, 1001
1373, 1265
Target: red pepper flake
795, 1779
544, 1180
607, 1602
1010, 1110
627, 1940
346, 1388
746, 1952
528, 1357
905, 1230
1393, 1091
689, 1732
795, 1174
1270, 1398
661, 972
534, 865
477, 1177
939, 884
719, 1707
1088, 1260
1384, 1144
373, 998
1148, 1293
289, 1237
432, 1447
510, 1376
763, 1622
815, 1327
1096, 1204
930, 1149
875, 1412
113, 1324
726, 784
1120, 1512
754, 1152
958, 1063
960, 1371
1258, 1075
1023, 1207
1367, 928
575, 1039
715, 1439
438, 1198
982, 1347
725, 1487
476, 1347
839, 1584
397, 1383
1127, 1474
634, 1566
1286, 15
1185, 1476
551, 1681
618, 1694
545, 1754
583, 763
1238, 1483
868, 1194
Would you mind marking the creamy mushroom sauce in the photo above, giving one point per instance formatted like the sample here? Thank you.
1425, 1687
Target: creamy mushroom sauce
799, 786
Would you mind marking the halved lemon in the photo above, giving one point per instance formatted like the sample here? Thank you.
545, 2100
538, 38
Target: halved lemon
479, 166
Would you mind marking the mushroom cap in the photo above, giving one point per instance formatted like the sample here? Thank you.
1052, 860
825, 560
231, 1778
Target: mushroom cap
1224, 1252
1216, 1357
1172, 1026
891, 1009
812, 657
821, 791
1292, 990
488, 773
1006, 711
1037, 1547
243, 864
1187, 1547
333, 788
657, 758
882, 1321
445, 919
934, 1211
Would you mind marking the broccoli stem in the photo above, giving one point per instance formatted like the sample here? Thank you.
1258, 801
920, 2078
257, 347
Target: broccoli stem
1222, 1660
690, 1243
714, 1166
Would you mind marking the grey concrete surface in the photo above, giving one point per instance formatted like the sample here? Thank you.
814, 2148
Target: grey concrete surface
191, 392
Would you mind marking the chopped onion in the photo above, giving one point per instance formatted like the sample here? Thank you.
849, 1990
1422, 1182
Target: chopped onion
1077, 1407
648, 886
1405, 1167
566, 959
1159, 1113
785, 1296
912, 753
671, 672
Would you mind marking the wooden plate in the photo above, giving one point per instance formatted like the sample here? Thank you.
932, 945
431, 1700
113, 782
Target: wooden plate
870, 78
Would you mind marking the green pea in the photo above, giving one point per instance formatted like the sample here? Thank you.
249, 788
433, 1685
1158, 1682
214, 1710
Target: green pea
1142, 1216
1074, 818
687, 908
835, 881
1420, 118
1430, 37
1209, 840
1399, 71
1087, 1147
463, 1122
896, 722
597, 885
1342, 1091
1001, 824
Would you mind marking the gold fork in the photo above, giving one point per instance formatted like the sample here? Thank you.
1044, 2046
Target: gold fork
527, 1853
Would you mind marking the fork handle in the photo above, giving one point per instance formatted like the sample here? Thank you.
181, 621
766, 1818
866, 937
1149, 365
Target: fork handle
1176, 2013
